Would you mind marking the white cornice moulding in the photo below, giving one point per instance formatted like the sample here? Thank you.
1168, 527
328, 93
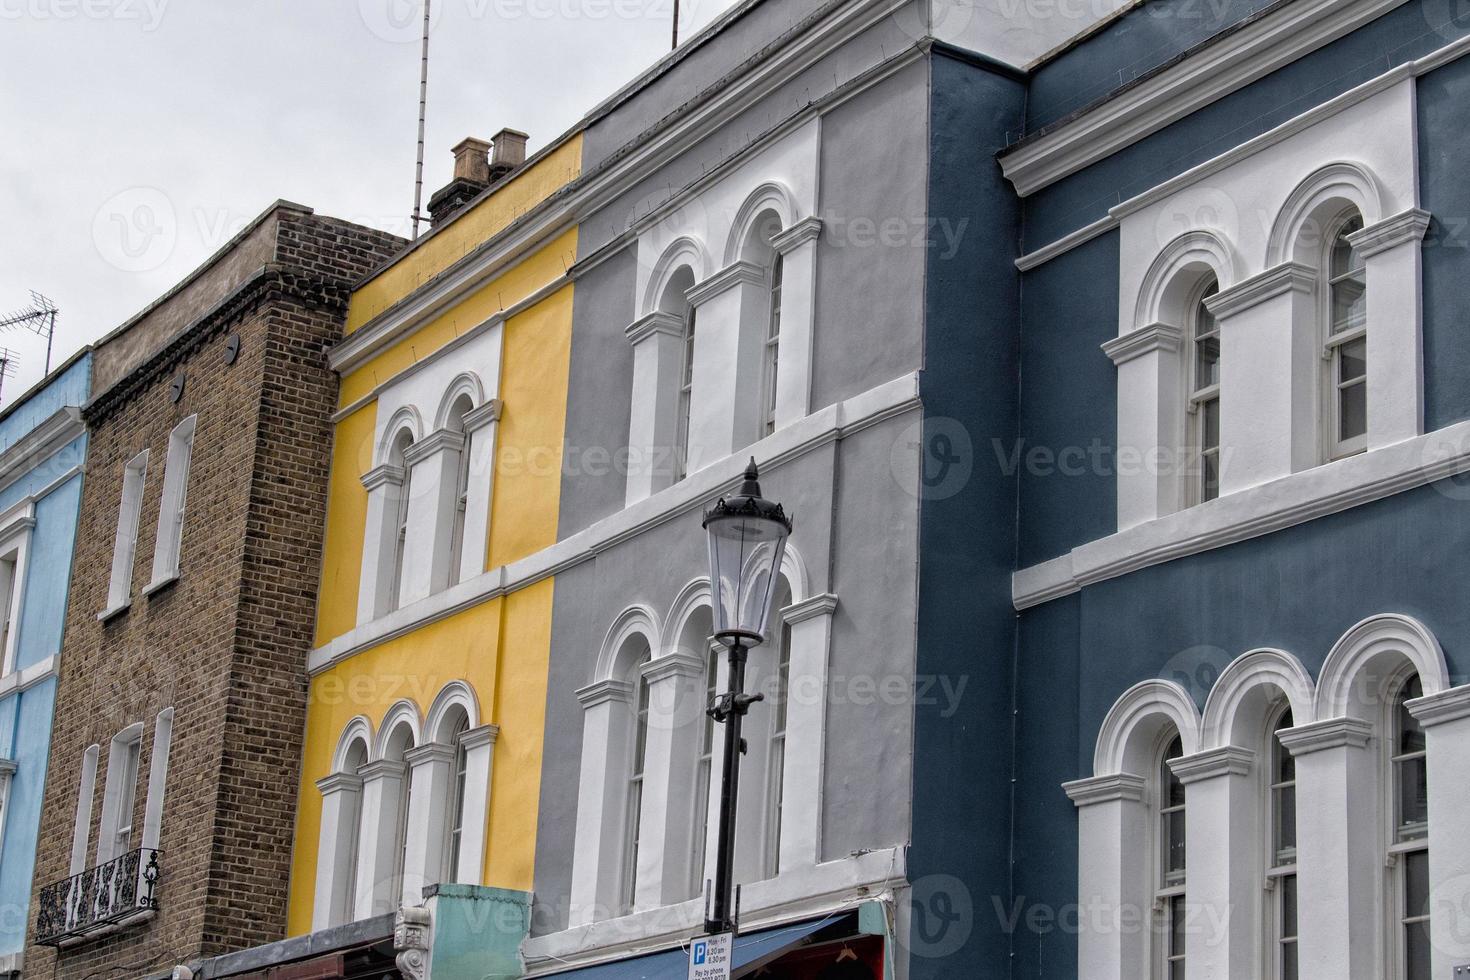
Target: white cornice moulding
384, 475
46, 438
435, 442
824, 604
483, 416
613, 178
486, 734
1333, 733
736, 274
795, 895
653, 323
1227, 760
1442, 708
337, 782
824, 426
27, 677
602, 692
1105, 789
1284, 278
1400, 229
1248, 54
803, 231
1437, 59
674, 665
1144, 340
1296, 499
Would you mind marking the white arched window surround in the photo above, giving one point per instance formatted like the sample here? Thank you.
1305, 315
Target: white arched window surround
1154, 379
450, 777
450, 471
1300, 242
599, 868
338, 843
389, 491
1230, 792
1117, 838
382, 833
662, 390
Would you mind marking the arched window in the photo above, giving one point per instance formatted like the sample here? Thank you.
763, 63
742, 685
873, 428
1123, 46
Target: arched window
343, 910
1169, 884
1408, 845
704, 774
401, 444
686, 396
1281, 857
462, 407
1204, 396
456, 798
1346, 348
770, 355
633, 820
776, 768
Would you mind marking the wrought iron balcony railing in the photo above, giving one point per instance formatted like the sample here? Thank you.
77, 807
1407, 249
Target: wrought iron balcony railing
99, 899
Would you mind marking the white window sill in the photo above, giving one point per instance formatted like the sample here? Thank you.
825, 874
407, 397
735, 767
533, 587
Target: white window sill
1274, 506
158, 585
113, 611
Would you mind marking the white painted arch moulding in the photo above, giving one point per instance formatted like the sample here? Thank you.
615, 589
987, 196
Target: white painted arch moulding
1370, 654
1271, 673
1136, 719
1189, 251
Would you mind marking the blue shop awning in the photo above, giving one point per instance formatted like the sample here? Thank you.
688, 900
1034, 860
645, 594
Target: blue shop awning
750, 950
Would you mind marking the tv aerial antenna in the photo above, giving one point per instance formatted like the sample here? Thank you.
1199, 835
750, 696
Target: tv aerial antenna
7, 365
39, 318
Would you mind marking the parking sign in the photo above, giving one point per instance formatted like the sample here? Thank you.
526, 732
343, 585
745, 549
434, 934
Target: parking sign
709, 957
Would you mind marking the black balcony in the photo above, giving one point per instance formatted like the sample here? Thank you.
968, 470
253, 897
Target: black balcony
99, 899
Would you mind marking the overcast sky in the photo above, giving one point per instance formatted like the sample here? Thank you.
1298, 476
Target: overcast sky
137, 136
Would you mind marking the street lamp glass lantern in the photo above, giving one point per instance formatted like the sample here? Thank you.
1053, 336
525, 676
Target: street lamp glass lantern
747, 537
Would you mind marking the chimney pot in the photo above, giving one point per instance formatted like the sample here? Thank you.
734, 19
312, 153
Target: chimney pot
510, 150
472, 160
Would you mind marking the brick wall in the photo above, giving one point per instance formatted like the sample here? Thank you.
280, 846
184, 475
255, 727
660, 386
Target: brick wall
226, 644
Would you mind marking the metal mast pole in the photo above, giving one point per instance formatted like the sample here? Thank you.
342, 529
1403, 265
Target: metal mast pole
729, 710
676, 23
418, 185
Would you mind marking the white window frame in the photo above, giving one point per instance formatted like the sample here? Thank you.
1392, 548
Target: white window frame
684, 403
1166, 894
633, 794
172, 504
1198, 396
120, 794
771, 349
1332, 344
458, 782
125, 546
1278, 864
1397, 849
15, 546
7, 777
776, 750
704, 770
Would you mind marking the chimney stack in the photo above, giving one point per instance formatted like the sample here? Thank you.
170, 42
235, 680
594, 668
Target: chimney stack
476, 167
510, 153
472, 160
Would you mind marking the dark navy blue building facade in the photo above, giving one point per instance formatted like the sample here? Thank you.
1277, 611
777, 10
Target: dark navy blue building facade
1212, 609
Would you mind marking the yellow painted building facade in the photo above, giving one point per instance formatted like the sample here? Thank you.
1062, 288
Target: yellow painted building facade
403, 630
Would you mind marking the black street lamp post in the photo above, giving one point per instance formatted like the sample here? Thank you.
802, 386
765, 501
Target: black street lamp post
747, 537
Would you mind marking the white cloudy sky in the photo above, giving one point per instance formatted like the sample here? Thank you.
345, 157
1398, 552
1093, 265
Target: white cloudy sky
136, 136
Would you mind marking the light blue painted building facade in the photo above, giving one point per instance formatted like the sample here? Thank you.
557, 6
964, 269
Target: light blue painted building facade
43, 443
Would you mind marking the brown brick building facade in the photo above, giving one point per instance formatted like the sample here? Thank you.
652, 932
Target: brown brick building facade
240, 347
